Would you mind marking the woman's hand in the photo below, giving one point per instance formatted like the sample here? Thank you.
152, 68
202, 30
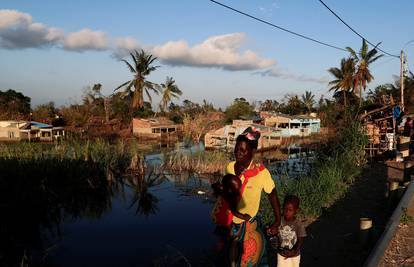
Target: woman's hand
273, 229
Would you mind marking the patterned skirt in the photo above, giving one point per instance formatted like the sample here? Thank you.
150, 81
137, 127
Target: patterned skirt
247, 244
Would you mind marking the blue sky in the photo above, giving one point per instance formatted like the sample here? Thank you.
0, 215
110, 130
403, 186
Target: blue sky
212, 53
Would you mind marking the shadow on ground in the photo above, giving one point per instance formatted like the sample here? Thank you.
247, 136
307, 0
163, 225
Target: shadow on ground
334, 239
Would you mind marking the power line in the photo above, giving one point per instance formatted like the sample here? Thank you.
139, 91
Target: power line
346, 24
278, 27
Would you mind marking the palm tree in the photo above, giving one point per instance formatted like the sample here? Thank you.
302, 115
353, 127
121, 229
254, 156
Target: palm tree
364, 58
344, 77
141, 68
169, 90
308, 100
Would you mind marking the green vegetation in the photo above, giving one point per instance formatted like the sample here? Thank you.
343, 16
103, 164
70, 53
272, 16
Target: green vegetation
405, 217
336, 167
240, 108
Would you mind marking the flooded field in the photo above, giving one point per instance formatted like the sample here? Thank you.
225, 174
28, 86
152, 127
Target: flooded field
72, 213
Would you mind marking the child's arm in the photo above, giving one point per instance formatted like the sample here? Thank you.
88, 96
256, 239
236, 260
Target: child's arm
295, 250
243, 216
233, 208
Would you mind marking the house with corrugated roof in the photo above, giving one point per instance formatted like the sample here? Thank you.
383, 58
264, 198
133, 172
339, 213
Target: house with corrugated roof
30, 131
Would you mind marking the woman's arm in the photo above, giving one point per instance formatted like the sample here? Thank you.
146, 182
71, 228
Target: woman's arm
274, 201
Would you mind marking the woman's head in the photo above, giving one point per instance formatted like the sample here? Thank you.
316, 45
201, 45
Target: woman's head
246, 144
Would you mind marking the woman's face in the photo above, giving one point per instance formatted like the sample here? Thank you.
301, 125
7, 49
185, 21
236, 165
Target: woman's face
243, 152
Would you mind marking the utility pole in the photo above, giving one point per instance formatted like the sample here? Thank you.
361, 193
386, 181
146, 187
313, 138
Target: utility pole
402, 71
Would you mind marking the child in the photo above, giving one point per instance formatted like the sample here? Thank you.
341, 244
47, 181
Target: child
229, 195
291, 234
230, 190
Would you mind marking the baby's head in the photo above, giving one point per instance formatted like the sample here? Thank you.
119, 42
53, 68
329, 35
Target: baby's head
290, 207
231, 185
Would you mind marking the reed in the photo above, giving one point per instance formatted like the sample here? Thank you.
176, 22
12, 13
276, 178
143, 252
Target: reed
117, 156
204, 162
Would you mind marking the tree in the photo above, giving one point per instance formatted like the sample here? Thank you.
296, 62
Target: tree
169, 90
344, 78
45, 113
238, 109
364, 58
308, 100
141, 68
196, 127
376, 96
269, 105
291, 105
207, 106
14, 105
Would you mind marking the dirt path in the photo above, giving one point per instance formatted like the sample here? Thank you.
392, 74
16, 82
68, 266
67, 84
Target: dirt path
334, 239
401, 249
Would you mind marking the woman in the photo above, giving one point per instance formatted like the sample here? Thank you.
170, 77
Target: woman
247, 245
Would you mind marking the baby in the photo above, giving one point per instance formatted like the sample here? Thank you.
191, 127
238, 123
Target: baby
230, 190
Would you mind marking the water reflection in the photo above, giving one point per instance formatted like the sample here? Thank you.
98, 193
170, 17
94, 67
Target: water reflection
37, 195
144, 201
52, 210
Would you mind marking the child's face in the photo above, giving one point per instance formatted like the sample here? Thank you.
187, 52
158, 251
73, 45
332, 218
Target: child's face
289, 211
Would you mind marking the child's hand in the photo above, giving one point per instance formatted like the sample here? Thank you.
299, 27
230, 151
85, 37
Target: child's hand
288, 253
246, 217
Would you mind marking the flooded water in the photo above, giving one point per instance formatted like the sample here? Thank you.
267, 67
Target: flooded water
170, 224
67, 214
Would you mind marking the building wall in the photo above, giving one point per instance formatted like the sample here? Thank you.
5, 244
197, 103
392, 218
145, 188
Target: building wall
7, 133
140, 126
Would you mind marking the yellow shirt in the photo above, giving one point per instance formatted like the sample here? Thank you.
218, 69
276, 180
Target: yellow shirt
250, 201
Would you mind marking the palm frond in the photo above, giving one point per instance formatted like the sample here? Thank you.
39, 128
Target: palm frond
352, 52
122, 85
129, 66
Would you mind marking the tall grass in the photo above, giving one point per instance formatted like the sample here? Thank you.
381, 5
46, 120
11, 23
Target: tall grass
117, 156
336, 167
210, 162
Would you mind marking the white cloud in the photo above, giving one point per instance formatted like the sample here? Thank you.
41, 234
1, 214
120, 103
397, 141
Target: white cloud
280, 73
220, 51
85, 39
18, 31
123, 46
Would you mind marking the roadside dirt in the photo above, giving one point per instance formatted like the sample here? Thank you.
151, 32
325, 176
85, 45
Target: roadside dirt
400, 252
